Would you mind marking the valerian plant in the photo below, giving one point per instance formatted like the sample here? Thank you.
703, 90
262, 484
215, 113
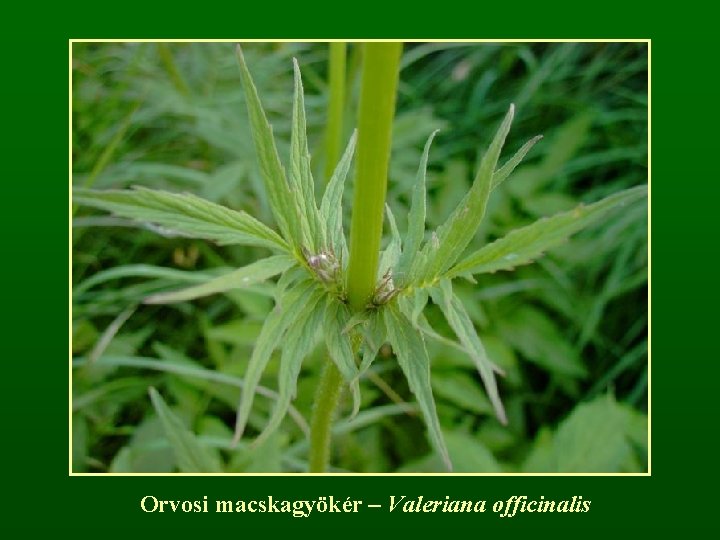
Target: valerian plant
310, 256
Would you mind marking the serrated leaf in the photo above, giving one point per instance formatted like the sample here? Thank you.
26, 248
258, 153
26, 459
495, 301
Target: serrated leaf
357, 319
299, 341
282, 198
331, 205
413, 304
423, 325
300, 173
416, 216
183, 214
453, 236
524, 245
294, 275
340, 347
390, 255
237, 279
460, 322
192, 457
506, 170
269, 339
373, 335
409, 348
593, 438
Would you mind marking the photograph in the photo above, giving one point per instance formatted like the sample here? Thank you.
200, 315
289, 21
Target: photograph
359, 257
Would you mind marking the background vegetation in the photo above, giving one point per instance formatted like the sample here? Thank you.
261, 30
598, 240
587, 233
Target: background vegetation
570, 331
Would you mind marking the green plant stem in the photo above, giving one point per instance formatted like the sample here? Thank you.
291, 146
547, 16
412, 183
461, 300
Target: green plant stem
336, 106
381, 62
327, 396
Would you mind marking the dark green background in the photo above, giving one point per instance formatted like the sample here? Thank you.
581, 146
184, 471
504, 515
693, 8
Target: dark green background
40, 494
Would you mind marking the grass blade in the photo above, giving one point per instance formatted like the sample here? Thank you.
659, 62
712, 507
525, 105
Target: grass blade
524, 245
191, 373
237, 279
409, 348
192, 457
140, 270
183, 214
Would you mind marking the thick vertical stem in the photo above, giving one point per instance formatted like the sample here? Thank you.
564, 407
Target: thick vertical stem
381, 62
326, 400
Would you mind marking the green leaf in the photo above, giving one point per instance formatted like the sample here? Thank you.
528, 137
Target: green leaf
468, 455
416, 216
298, 342
331, 205
183, 214
270, 338
506, 170
294, 275
458, 388
409, 348
340, 347
595, 438
538, 338
300, 173
237, 279
541, 457
191, 456
390, 255
373, 335
413, 304
460, 322
282, 200
452, 237
524, 245
423, 325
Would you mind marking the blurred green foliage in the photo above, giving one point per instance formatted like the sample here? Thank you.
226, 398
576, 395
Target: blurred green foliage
570, 331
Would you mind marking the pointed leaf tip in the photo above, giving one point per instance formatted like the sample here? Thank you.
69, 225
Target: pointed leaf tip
526, 244
191, 455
